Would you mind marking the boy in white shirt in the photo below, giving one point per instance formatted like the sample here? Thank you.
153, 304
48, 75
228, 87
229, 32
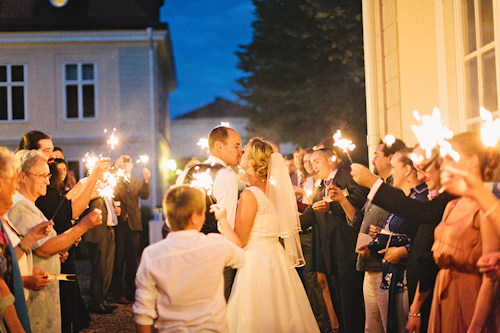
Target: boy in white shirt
179, 282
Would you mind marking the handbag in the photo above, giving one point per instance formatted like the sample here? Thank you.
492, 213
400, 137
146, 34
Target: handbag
385, 241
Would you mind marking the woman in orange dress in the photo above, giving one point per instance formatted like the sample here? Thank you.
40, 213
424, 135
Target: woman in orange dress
464, 300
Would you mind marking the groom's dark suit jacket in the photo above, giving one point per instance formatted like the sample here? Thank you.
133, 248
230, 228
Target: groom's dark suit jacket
338, 242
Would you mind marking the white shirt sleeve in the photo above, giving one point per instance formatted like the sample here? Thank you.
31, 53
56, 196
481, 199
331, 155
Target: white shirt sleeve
225, 190
374, 189
146, 295
235, 255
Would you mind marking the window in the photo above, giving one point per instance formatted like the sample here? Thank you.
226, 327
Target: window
13, 92
80, 91
478, 60
74, 169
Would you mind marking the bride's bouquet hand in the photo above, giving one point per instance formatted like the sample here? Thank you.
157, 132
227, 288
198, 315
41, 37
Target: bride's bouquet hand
218, 211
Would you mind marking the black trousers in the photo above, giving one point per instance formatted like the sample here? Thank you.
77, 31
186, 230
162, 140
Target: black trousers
102, 257
125, 267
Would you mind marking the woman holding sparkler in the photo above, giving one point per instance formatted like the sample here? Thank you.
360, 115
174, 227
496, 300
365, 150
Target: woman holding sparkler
267, 294
74, 313
465, 300
44, 305
18, 271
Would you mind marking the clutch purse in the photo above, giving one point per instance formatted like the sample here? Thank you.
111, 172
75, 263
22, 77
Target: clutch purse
384, 241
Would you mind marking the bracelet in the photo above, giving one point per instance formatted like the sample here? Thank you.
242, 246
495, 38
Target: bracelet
491, 209
21, 248
414, 314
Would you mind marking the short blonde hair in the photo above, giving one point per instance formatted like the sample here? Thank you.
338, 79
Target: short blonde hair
259, 151
180, 202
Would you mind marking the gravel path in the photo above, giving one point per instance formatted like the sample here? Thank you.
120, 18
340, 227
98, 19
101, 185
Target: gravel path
121, 320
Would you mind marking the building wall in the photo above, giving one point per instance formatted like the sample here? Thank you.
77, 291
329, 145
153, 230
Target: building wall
415, 64
122, 92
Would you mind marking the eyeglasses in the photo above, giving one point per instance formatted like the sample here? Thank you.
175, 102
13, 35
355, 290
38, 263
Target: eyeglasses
424, 169
41, 177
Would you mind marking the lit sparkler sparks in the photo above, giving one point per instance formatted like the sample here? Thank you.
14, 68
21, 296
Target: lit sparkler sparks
203, 180
203, 143
113, 140
345, 144
490, 131
90, 161
106, 187
143, 159
433, 133
389, 140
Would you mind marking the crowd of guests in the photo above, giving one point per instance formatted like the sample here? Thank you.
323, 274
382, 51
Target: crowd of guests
311, 244
44, 215
413, 246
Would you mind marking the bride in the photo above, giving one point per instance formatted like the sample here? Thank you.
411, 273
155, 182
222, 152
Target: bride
267, 294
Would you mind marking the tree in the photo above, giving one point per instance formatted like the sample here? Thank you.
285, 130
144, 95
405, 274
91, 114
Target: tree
305, 66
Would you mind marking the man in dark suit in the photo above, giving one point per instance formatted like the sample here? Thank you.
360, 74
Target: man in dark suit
338, 239
101, 244
128, 232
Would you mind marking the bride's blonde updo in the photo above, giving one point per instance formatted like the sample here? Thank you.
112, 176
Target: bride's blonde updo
259, 151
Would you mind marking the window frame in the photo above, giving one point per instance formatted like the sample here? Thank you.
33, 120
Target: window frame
79, 82
463, 56
9, 84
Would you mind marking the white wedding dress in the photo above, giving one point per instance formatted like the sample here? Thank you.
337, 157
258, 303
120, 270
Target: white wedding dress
267, 294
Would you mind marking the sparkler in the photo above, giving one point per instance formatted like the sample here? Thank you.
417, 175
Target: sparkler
144, 159
113, 140
345, 144
203, 180
203, 143
490, 131
433, 133
389, 140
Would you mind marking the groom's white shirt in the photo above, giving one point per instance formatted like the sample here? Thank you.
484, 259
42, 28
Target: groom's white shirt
225, 188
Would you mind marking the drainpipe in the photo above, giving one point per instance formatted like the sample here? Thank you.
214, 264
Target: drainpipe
372, 114
152, 112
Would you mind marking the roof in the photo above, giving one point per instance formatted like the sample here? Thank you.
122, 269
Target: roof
41, 15
220, 108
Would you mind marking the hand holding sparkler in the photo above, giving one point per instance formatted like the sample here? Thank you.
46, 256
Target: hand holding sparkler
91, 220
345, 144
335, 193
146, 174
362, 175
99, 168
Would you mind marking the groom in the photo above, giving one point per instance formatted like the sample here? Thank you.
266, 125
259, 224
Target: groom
225, 150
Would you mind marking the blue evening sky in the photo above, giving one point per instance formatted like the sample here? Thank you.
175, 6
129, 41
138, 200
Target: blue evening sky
205, 35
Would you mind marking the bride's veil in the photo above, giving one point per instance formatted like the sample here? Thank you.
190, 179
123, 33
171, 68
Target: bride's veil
280, 192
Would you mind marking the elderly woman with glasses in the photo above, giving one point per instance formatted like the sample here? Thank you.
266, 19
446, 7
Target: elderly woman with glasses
33, 177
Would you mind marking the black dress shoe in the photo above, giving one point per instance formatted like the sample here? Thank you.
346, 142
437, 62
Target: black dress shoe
100, 309
106, 305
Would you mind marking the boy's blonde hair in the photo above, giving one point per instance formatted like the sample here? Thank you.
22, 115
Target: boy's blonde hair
180, 203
